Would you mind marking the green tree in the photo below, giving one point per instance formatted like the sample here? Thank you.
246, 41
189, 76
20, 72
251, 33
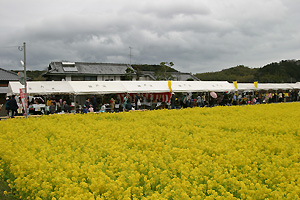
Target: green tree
163, 73
129, 74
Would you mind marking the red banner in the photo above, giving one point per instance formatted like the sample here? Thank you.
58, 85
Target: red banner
23, 99
161, 97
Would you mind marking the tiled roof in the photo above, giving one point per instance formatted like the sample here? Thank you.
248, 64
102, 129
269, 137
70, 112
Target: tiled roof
87, 68
178, 76
184, 76
6, 75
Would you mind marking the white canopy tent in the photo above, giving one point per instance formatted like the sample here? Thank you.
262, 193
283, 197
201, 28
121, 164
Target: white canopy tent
185, 86
274, 86
295, 85
55, 87
97, 87
216, 86
112, 87
268, 86
14, 88
246, 87
41, 88
146, 86
202, 86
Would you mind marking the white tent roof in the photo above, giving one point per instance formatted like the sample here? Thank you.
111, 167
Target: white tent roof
41, 87
14, 88
268, 86
274, 86
246, 86
146, 86
202, 86
110, 87
97, 87
56, 87
216, 86
185, 86
295, 85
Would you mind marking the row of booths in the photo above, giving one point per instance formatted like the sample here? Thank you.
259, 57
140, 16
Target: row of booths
81, 89
113, 87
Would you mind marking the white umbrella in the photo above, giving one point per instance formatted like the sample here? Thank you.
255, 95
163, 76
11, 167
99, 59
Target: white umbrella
213, 95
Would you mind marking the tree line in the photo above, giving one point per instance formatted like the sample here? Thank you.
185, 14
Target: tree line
285, 71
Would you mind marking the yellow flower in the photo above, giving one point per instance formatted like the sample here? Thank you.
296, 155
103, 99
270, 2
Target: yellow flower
200, 153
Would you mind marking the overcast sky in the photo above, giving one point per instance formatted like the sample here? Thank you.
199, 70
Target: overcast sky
196, 35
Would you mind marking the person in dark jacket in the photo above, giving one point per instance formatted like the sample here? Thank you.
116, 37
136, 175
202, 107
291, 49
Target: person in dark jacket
52, 108
87, 103
13, 106
84, 110
66, 108
173, 98
7, 108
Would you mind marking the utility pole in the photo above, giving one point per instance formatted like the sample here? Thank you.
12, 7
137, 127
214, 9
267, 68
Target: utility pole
130, 55
23, 48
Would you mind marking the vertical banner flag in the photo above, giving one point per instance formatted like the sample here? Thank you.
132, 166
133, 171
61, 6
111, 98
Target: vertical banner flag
235, 84
255, 84
170, 85
23, 99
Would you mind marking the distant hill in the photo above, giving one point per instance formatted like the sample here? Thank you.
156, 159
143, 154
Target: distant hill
286, 71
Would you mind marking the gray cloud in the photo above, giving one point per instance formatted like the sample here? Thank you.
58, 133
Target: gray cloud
196, 36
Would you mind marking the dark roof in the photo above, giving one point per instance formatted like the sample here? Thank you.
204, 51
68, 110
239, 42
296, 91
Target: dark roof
56, 68
178, 76
184, 76
6, 75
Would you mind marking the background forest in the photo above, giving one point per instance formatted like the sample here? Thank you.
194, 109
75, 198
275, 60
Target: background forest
285, 71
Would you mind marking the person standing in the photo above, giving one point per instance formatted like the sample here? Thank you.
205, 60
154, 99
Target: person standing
87, 103
199, 100
52, 108
125, 103
173, 101
91, 109
203, 100
66, 108
112, 105
136, 100
7, 107
13, 106
94, 102
84, 110
234, 100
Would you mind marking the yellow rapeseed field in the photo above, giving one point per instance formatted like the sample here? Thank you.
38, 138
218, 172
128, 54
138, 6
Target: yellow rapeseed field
248, 152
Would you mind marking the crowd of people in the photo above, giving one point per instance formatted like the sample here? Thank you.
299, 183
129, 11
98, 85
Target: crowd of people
126, 102
227, 99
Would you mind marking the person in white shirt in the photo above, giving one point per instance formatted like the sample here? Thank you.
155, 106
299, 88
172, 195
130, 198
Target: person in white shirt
91, 109
103, 108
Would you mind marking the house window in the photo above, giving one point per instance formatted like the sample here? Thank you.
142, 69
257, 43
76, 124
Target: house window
77, 78
84, 78
90, 78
